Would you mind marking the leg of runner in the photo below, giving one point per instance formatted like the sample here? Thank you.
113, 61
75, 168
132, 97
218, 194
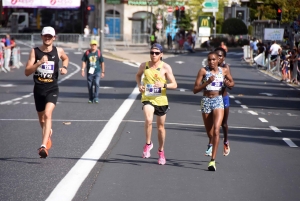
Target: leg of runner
207, 118
160, 120
45, 119
226, 149
148, 113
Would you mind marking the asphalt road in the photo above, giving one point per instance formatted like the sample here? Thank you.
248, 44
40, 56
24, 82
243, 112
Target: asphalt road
261, 165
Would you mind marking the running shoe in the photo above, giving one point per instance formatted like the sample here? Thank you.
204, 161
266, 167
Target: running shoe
161, 158
226, 149
49, 143
43, 152
212, 166
208, 152
90, 101
146, 150
96, 101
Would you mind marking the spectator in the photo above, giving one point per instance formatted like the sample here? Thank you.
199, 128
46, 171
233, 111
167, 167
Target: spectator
224, 46
86, 31
169, 40
12, 46
106, 30
187, 46
194, 38
275, 50
253, 46
2, 47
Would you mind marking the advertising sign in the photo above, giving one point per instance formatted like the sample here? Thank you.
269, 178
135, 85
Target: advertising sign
204, 21
41, 4
273, 34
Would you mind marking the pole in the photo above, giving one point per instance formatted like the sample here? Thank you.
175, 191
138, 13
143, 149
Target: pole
114, 23
215, 21
151, 23
102, 26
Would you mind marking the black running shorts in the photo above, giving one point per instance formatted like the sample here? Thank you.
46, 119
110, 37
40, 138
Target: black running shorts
44, 96
158, 110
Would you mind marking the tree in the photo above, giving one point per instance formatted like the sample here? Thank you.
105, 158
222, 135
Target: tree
234, 26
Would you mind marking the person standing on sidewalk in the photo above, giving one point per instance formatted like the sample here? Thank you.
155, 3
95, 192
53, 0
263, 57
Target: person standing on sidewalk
44, 63
211, 79
92, 60
154, 98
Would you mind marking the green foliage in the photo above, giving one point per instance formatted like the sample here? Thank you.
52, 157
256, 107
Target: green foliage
234, 26
250, 30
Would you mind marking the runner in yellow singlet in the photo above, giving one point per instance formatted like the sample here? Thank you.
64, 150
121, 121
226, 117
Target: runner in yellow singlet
158, 77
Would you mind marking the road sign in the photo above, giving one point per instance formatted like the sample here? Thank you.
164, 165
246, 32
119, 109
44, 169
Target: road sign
210, 6
169, 18
170, 9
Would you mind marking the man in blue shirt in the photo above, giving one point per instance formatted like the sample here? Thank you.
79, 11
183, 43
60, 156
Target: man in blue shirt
254, 47
92, 60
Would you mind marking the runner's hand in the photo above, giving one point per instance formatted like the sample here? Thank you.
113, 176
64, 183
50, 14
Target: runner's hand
44, 59
63, 71
211, 79
82, 73
158, 84
141, 88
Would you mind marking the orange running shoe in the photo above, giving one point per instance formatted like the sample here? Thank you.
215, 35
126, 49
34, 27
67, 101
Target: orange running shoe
226, 149
43, 152
49, 143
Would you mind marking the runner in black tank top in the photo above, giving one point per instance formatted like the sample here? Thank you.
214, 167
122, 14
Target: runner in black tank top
44, 64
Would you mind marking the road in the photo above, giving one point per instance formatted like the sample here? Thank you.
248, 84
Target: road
263, 123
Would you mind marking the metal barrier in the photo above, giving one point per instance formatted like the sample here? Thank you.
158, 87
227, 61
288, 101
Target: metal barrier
247, 54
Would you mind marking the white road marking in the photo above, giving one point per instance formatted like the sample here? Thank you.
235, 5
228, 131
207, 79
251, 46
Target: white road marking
231, 96
15, 103
25, 103
289, 142
68, 186
238, 102
251, 112
5, 102
179, 62
78, 52
16, 99
268, 94
263, 120
106, 87
291, 115
275, 129
244, 106
7, 85
25, 53
131, 64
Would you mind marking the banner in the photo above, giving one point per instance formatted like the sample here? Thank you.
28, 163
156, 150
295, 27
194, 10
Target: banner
273, 34
41, 3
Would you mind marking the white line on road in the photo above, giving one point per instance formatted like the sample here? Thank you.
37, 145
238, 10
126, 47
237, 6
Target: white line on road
68, 186
137, 121
238, 102
289, 142
244, 106
78, 52
251, 112
275, 129
25, 53
291, 115
263, 120
231, 96
16, 99
131, 64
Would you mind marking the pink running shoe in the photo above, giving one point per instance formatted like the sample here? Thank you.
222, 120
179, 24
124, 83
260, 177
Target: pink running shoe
146, 151
161, 158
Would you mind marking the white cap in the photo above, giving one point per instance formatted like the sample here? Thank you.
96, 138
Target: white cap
48, 30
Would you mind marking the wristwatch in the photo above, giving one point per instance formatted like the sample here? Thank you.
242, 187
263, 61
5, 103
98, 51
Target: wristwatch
165, 85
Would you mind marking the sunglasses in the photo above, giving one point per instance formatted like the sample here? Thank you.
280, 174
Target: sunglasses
156, 53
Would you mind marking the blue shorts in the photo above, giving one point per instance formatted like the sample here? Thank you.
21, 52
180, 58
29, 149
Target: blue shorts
209, 104
226, 101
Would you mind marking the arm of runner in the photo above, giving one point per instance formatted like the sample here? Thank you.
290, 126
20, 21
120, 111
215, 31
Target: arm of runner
138, 77
228, 80
31, 66
170, 77
198, 86
65, 60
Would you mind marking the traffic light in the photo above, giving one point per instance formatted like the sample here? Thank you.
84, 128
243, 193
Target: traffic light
182, 11
279, 14
176, 12
88, 9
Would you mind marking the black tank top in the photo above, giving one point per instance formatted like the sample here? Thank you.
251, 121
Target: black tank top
47, 73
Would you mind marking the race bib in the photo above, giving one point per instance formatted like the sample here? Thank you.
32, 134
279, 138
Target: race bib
215, 85
46, 68
91, 70
150, 90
